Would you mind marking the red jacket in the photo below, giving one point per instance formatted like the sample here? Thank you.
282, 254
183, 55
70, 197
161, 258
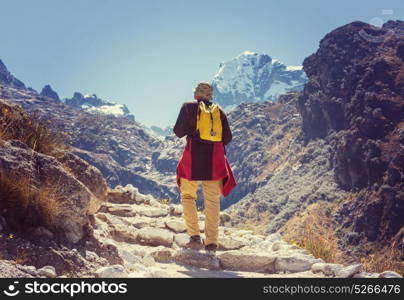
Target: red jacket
203, 160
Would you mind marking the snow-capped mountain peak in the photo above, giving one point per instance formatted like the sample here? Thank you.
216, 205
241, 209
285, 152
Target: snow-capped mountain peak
93, 104
251, 76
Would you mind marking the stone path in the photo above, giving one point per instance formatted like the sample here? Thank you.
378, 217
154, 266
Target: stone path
150, 235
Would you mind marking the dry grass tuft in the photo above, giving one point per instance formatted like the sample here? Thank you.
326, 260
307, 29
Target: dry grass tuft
32, 131
26, 205
389, 258
315, 232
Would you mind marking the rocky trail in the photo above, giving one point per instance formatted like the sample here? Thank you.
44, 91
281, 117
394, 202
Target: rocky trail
149, 237
133, 235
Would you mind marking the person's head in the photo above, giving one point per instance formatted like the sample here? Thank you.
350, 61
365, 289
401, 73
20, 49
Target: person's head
203, 91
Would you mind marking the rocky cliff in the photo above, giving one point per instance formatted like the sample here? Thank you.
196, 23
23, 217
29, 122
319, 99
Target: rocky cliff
354, 101
347, 149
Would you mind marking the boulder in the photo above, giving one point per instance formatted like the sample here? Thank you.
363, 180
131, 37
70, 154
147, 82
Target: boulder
47, 271
124, 234
295, 263
89, 175
366, 275
176, 226
161, 254
114, 271
140, 223
46, 173
153, 212
175, 210
389, 274
328, 269
124, 210
196, 259
181, 239
119, 194
336, 270
230, 243
239, 260
155, 237
277, 246
348, 271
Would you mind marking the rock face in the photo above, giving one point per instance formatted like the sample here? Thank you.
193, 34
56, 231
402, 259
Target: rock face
6, 78
254, 77
62, 186
47, 91
338, 141
74, 199
354, 101
89, 175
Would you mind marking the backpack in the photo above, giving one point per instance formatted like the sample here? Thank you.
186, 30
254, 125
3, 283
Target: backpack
208, 122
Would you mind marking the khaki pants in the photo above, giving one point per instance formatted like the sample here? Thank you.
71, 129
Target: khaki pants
212, 189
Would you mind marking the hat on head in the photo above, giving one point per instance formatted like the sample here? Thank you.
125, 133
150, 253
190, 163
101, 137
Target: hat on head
203, 91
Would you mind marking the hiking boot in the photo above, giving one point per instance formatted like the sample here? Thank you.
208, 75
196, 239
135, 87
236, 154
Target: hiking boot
194, 243
211, 247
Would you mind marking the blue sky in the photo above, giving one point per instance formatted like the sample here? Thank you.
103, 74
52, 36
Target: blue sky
149, 55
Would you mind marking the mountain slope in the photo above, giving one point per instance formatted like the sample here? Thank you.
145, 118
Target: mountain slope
347, 154
120, 147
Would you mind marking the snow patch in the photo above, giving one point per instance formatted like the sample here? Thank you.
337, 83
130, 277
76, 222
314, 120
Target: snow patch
294, 68
116, 109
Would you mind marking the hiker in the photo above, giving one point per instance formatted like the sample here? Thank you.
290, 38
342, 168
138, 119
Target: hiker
203, 160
